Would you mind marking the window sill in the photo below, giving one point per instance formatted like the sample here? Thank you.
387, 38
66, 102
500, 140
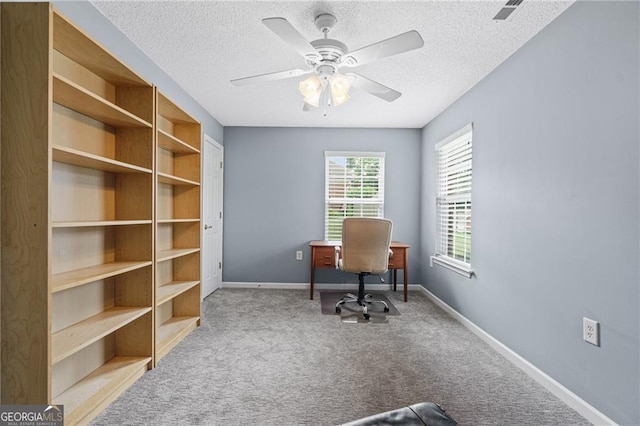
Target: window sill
452, 265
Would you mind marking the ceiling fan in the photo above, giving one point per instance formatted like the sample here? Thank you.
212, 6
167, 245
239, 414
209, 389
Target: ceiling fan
327, 58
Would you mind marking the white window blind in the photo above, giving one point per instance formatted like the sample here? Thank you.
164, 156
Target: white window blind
453, 199
354, 187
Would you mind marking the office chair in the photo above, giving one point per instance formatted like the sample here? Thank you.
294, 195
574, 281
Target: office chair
364, 251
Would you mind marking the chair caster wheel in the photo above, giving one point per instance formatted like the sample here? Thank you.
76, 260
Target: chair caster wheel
366, 316
386, 309
338, 310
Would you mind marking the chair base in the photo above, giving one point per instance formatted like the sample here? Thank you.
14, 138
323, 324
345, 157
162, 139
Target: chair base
362, 299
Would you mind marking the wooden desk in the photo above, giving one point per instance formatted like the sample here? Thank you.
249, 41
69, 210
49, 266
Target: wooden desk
323, 256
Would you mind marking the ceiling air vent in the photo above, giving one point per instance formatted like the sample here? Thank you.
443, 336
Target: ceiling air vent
507, 10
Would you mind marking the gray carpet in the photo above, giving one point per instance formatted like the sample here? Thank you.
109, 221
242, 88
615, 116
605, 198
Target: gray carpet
269, 357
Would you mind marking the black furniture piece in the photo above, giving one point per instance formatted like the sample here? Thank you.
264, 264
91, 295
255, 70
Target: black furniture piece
422, 414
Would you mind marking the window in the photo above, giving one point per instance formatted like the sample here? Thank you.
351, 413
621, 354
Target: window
354, 187
453, 201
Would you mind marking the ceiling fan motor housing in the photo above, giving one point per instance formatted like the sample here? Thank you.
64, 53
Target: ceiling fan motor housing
330, 50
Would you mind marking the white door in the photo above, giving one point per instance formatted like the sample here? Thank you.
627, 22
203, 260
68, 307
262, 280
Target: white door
212, 216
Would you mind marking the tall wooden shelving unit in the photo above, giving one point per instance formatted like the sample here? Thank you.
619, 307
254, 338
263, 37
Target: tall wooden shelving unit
178, 195
78, 226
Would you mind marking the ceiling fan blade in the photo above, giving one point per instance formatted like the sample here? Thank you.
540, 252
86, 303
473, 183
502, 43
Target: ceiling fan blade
281, 75
292, 37
382, 49
373, 87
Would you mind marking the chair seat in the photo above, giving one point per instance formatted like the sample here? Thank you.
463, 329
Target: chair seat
371, 271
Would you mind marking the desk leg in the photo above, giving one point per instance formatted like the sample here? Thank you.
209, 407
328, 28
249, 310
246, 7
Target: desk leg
406, 276
395, 279
312, 273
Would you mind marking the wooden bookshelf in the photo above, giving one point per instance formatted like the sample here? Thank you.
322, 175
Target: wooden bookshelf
178, 198
101, 200
78, 181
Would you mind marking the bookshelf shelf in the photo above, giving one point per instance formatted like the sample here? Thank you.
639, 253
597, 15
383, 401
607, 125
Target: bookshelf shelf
74, 278
89, 396
173, 144
170, 290
175, 180
165, 255
70, 340
172, 332
77, 98
63, 154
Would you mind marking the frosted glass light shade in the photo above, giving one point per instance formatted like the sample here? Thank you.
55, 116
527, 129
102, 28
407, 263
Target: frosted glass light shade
339, 99
340, 86
311, 89
309, 86
313, 99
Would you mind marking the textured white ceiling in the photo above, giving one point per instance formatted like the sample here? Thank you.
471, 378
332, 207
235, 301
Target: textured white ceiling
203, 45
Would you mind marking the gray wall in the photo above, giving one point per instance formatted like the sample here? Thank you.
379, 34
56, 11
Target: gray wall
86, 16
556, 203
274, 197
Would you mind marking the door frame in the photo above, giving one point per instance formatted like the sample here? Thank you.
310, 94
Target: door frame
216, 144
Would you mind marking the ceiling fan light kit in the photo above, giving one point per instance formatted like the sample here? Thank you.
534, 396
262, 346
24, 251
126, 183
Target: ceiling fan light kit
327, 86
312, 89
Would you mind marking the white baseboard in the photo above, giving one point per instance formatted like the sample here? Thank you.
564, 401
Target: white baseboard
317, 286
374, 287
290, 286
549, 383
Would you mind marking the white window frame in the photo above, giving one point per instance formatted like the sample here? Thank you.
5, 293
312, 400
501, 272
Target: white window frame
377, 201
456, 141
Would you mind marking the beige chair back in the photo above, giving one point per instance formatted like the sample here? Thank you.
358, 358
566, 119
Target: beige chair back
365, 245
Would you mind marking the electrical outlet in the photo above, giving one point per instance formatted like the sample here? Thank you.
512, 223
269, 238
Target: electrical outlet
591, 331
299, 255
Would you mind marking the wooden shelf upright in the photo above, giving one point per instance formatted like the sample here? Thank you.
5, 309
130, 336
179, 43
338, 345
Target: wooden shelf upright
77, 170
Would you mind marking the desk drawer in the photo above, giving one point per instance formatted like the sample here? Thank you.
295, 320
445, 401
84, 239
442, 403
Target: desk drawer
396, 261
324, 257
